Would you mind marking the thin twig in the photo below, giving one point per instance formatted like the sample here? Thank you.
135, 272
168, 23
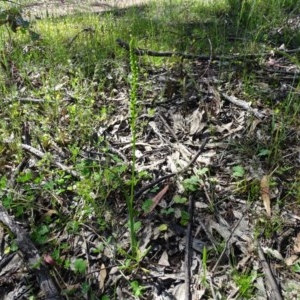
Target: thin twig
31, 100
13, 2
188, 250
168, 127
226, 244
141, 52
88, 29
211, 285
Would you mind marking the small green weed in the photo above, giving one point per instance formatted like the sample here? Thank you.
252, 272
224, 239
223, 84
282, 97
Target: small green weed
133, 263
79, 266
296, 268
238, 172
194, 182
40, 234
203, 275
137, 289
245, 283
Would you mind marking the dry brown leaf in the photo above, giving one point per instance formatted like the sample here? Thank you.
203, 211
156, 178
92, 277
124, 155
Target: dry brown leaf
265, 194
214, 106
291, 260
164, 259
179, 291
102, 276
146, 237
273, 252
224, 127
179, 123
254, 124
157, 198
296, 247
197, 124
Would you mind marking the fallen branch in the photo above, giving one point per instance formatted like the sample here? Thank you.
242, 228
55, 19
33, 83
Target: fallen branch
31, 100
141, 52
30, 252
271, 282
41, 155
209, 58
244, 105
88, 29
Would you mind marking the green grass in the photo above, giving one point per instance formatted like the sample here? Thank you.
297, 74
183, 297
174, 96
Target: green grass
76, 69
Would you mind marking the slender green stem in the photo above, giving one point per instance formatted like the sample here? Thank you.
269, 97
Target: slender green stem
133, 119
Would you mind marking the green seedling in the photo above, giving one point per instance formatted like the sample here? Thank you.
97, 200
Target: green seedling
203, 275
245, 283
238, 172
193, 183
137, 289
147, 205
180, 200
80, 266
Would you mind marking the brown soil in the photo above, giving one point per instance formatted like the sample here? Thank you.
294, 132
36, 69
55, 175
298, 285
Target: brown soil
62, 7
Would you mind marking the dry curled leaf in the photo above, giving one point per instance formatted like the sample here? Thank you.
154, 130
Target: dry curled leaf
296, 247
197, 122
102, 276
265, 194
157, 198
290, 261
164, 259
48, 259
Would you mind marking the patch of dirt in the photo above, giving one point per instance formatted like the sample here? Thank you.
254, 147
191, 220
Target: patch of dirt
62, 8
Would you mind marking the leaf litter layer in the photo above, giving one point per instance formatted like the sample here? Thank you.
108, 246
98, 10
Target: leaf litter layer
67, 151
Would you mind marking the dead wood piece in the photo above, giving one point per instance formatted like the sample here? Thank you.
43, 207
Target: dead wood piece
30, 252
244, 105
208, 58
41, 154
141, 52
271, 282
31, 100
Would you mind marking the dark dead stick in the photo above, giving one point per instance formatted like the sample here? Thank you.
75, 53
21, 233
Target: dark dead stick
30, 252
223, 253
141, 52
160, 179
271, 282
188, 250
